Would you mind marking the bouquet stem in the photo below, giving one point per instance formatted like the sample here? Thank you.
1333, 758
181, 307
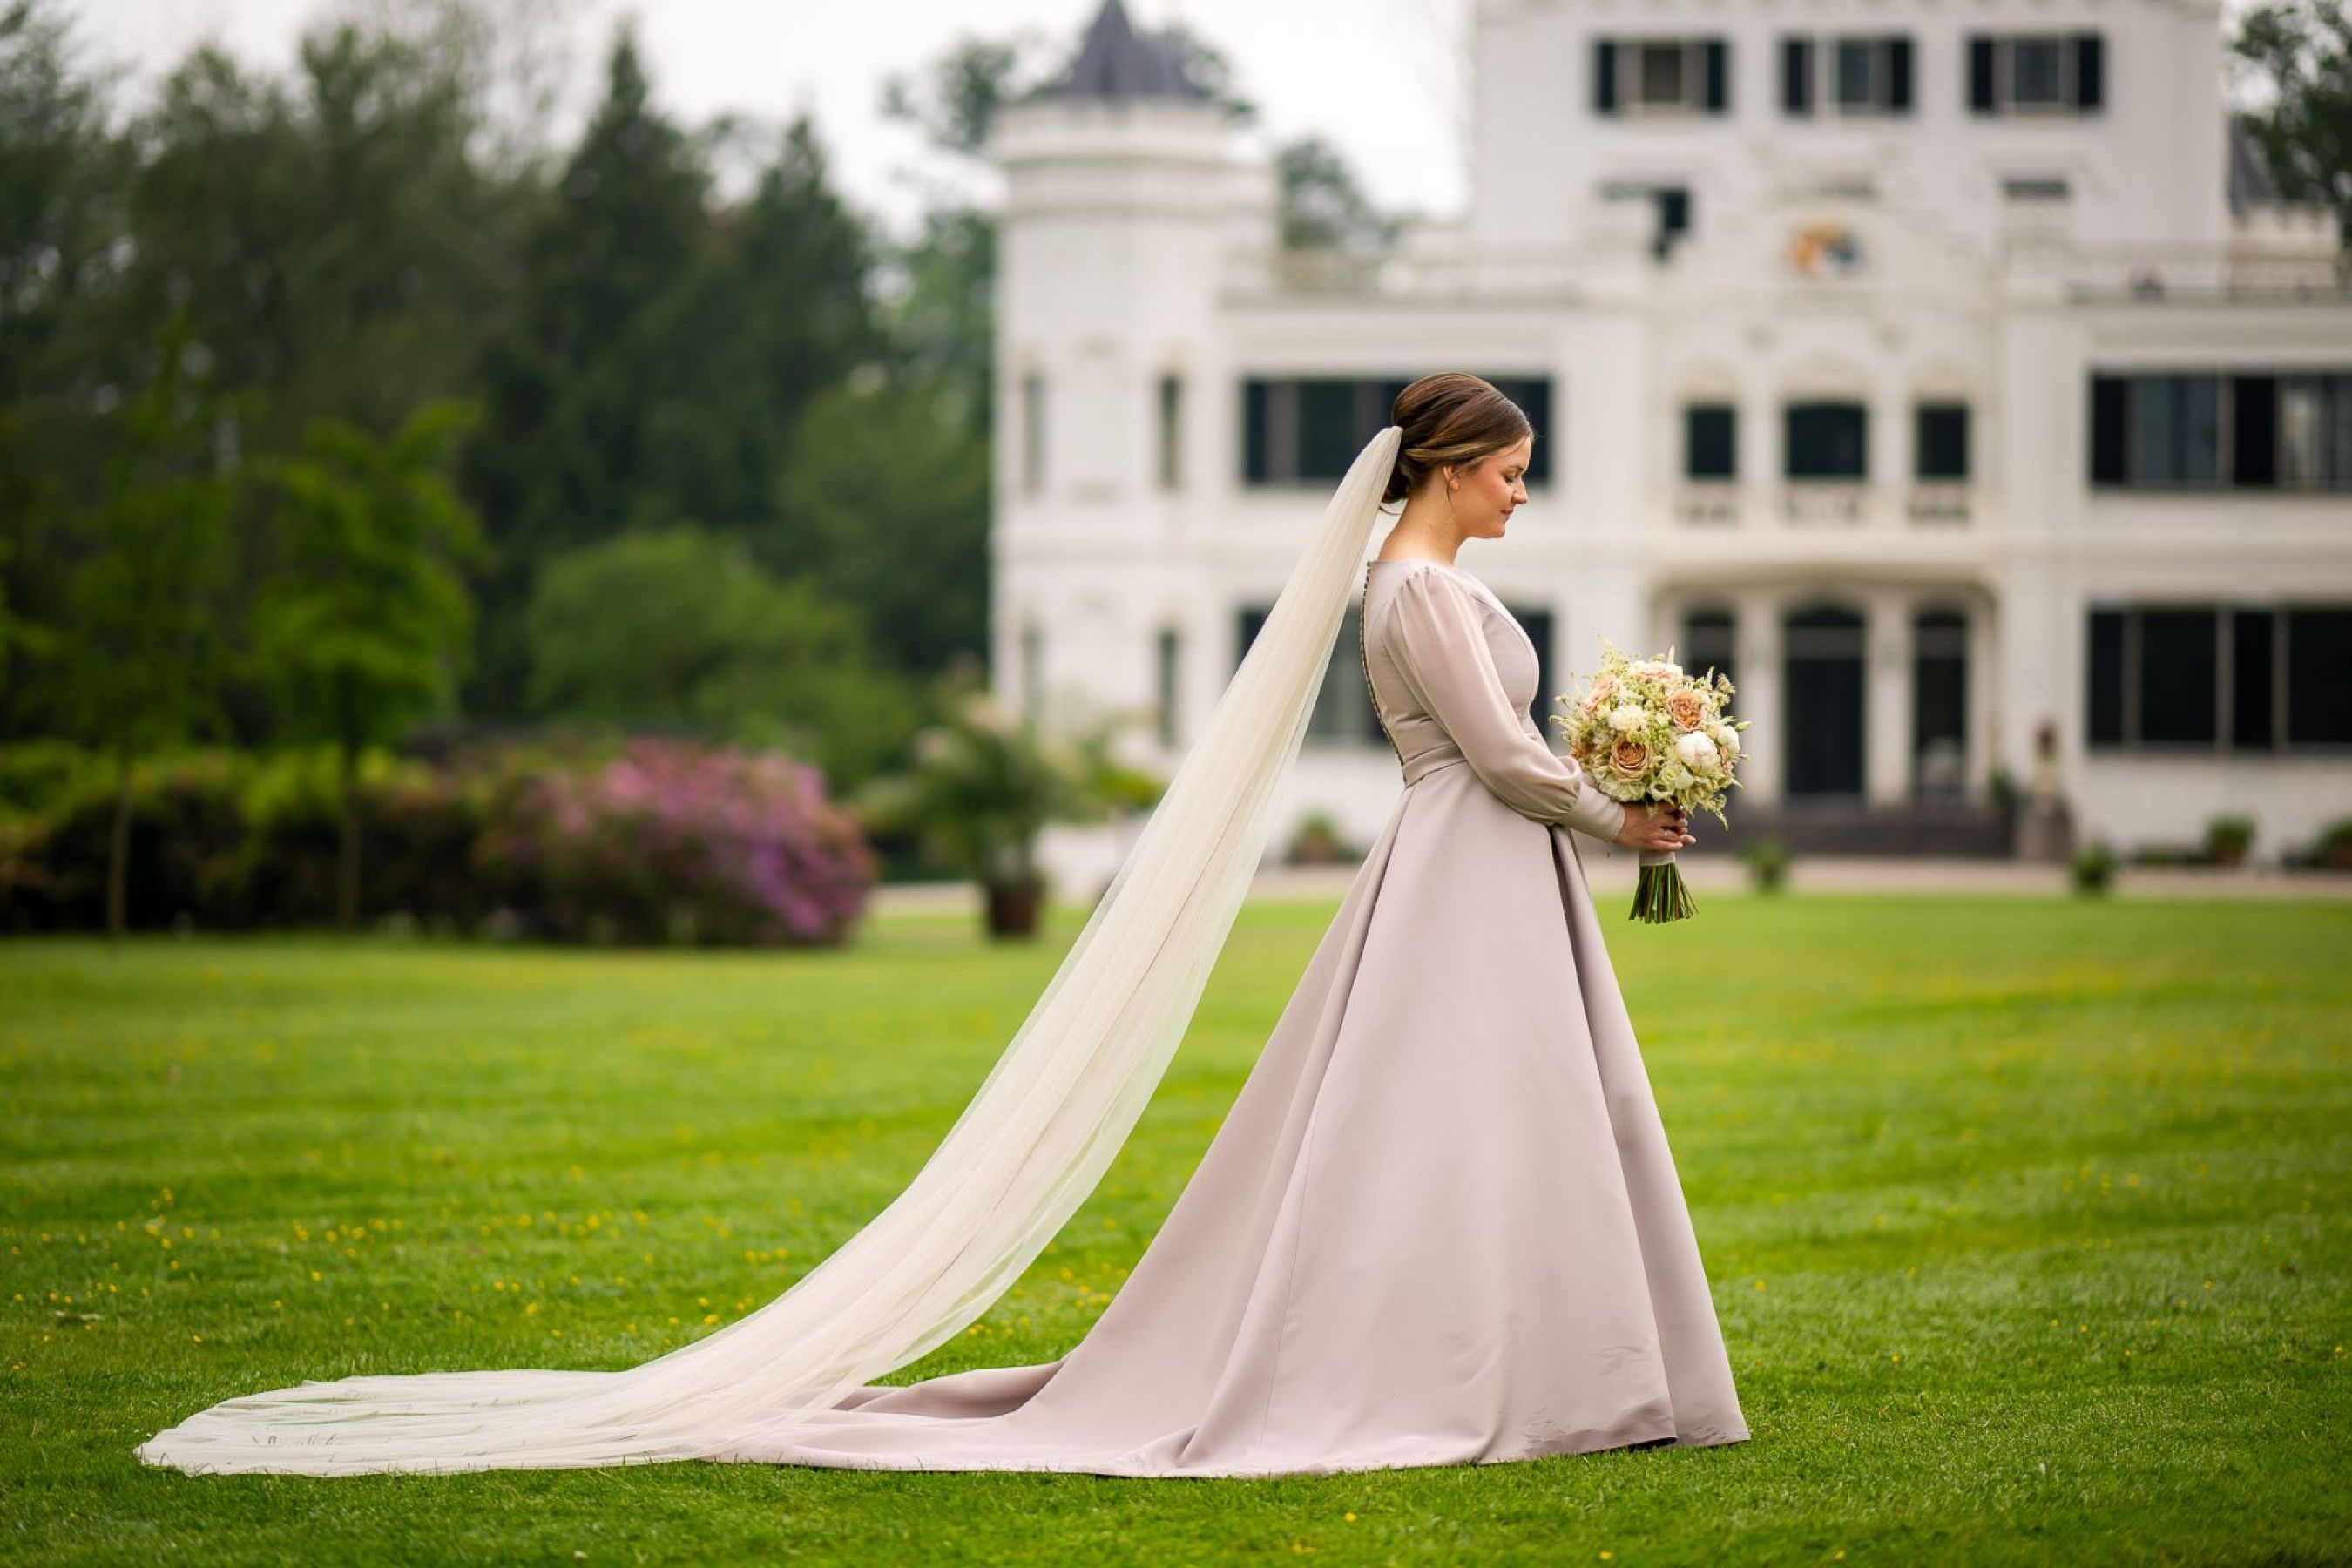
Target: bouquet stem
1660, 895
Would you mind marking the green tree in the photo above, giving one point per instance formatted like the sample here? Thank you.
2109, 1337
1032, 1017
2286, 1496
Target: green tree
1323, 208
59, 213
339, 251
364, 630
884, 505
142, 648
678, 627
2301, 52
667, 350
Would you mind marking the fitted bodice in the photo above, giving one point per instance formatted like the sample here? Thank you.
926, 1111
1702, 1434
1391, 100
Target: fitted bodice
1421, 743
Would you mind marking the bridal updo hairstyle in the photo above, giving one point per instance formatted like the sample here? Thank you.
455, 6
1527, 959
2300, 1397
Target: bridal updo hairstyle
1449, 417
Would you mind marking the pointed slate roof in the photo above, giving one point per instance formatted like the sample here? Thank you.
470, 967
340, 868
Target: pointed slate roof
1117, 61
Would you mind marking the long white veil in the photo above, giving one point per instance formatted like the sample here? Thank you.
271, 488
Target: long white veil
1024, 1153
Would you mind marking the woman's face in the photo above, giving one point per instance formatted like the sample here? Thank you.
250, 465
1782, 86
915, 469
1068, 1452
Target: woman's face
1491, 490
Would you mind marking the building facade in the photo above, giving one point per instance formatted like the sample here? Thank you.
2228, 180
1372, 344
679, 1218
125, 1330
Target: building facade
1951, 376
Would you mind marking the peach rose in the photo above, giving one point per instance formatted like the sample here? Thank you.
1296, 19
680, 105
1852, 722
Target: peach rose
1685, 709
1604, 686
1629, 758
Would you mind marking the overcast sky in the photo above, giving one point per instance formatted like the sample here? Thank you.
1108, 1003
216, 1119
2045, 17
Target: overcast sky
1379, 77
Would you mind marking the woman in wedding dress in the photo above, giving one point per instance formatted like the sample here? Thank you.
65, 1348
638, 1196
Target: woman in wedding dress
1440, 1224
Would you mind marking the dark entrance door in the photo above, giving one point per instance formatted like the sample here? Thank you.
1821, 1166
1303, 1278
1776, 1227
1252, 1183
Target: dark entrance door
1822, 650
1939, 703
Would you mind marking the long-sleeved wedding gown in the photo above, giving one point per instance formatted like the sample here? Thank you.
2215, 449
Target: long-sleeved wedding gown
1440, 1224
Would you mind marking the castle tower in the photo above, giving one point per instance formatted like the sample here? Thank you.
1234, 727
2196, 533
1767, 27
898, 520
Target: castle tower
1121, 205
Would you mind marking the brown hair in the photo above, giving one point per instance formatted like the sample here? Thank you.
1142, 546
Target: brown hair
1450, 417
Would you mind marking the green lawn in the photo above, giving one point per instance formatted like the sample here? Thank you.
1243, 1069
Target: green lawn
2026, 1220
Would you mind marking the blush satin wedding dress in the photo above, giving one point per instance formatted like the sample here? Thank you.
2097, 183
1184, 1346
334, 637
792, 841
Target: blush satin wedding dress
1440, 1225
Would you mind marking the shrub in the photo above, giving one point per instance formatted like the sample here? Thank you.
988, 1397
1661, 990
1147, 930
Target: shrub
676, 841
2093, 868
186, 835
2332, 847
2227, 838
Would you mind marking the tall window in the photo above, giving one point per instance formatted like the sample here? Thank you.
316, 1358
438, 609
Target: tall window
2036, 73
1939, 450
1307, 429
1165, 650
1710, 639
1343, 704
2208, 430
1867, 74
1033, 670
1032, 432
1172, 428
1827, 441
1661, 76
2206, 677
1710, 441
2315, 431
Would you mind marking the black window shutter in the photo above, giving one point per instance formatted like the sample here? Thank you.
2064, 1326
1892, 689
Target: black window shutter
1797, 75
1898, 74
2090, 86
1718, 84
2103, 704
2110, 421
2318, 651
2255, 461
1604, 76
1247, 622
1257, 431
2250, 685
1980, 74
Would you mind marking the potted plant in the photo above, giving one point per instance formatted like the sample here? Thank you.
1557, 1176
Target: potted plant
1316, 842
1768, 863
2227, 839
983, 785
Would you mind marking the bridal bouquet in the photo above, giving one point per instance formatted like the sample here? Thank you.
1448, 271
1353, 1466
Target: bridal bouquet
1648, 733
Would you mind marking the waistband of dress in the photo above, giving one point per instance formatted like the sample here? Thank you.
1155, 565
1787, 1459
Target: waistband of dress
1430, 762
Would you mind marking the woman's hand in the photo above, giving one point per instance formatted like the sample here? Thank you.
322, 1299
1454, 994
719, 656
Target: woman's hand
1655, 827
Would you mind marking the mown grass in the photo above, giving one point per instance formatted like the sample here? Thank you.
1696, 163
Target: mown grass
2025, 1219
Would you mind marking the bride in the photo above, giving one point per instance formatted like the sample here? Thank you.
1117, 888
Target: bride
1440, 1225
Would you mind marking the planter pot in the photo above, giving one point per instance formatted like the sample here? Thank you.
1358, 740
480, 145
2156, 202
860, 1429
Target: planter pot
1315, 848
1013, 906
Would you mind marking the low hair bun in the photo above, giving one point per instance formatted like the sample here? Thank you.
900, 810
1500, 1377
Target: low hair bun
1450, 417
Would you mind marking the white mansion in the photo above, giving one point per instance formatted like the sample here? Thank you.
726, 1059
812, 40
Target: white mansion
1949, 373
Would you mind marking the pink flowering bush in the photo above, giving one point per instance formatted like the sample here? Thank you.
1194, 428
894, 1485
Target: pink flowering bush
677, 841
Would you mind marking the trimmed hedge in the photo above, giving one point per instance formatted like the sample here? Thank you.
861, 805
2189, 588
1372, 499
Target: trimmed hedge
647, 841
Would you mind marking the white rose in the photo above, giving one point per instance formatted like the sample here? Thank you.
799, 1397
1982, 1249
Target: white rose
1698, 753
1628, 718
1656, 668
1727, 738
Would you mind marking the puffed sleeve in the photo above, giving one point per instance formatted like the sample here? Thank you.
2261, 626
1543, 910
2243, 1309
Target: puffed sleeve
1438, 642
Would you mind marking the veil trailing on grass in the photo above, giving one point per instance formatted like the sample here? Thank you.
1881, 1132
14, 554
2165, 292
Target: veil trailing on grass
1024, 1153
